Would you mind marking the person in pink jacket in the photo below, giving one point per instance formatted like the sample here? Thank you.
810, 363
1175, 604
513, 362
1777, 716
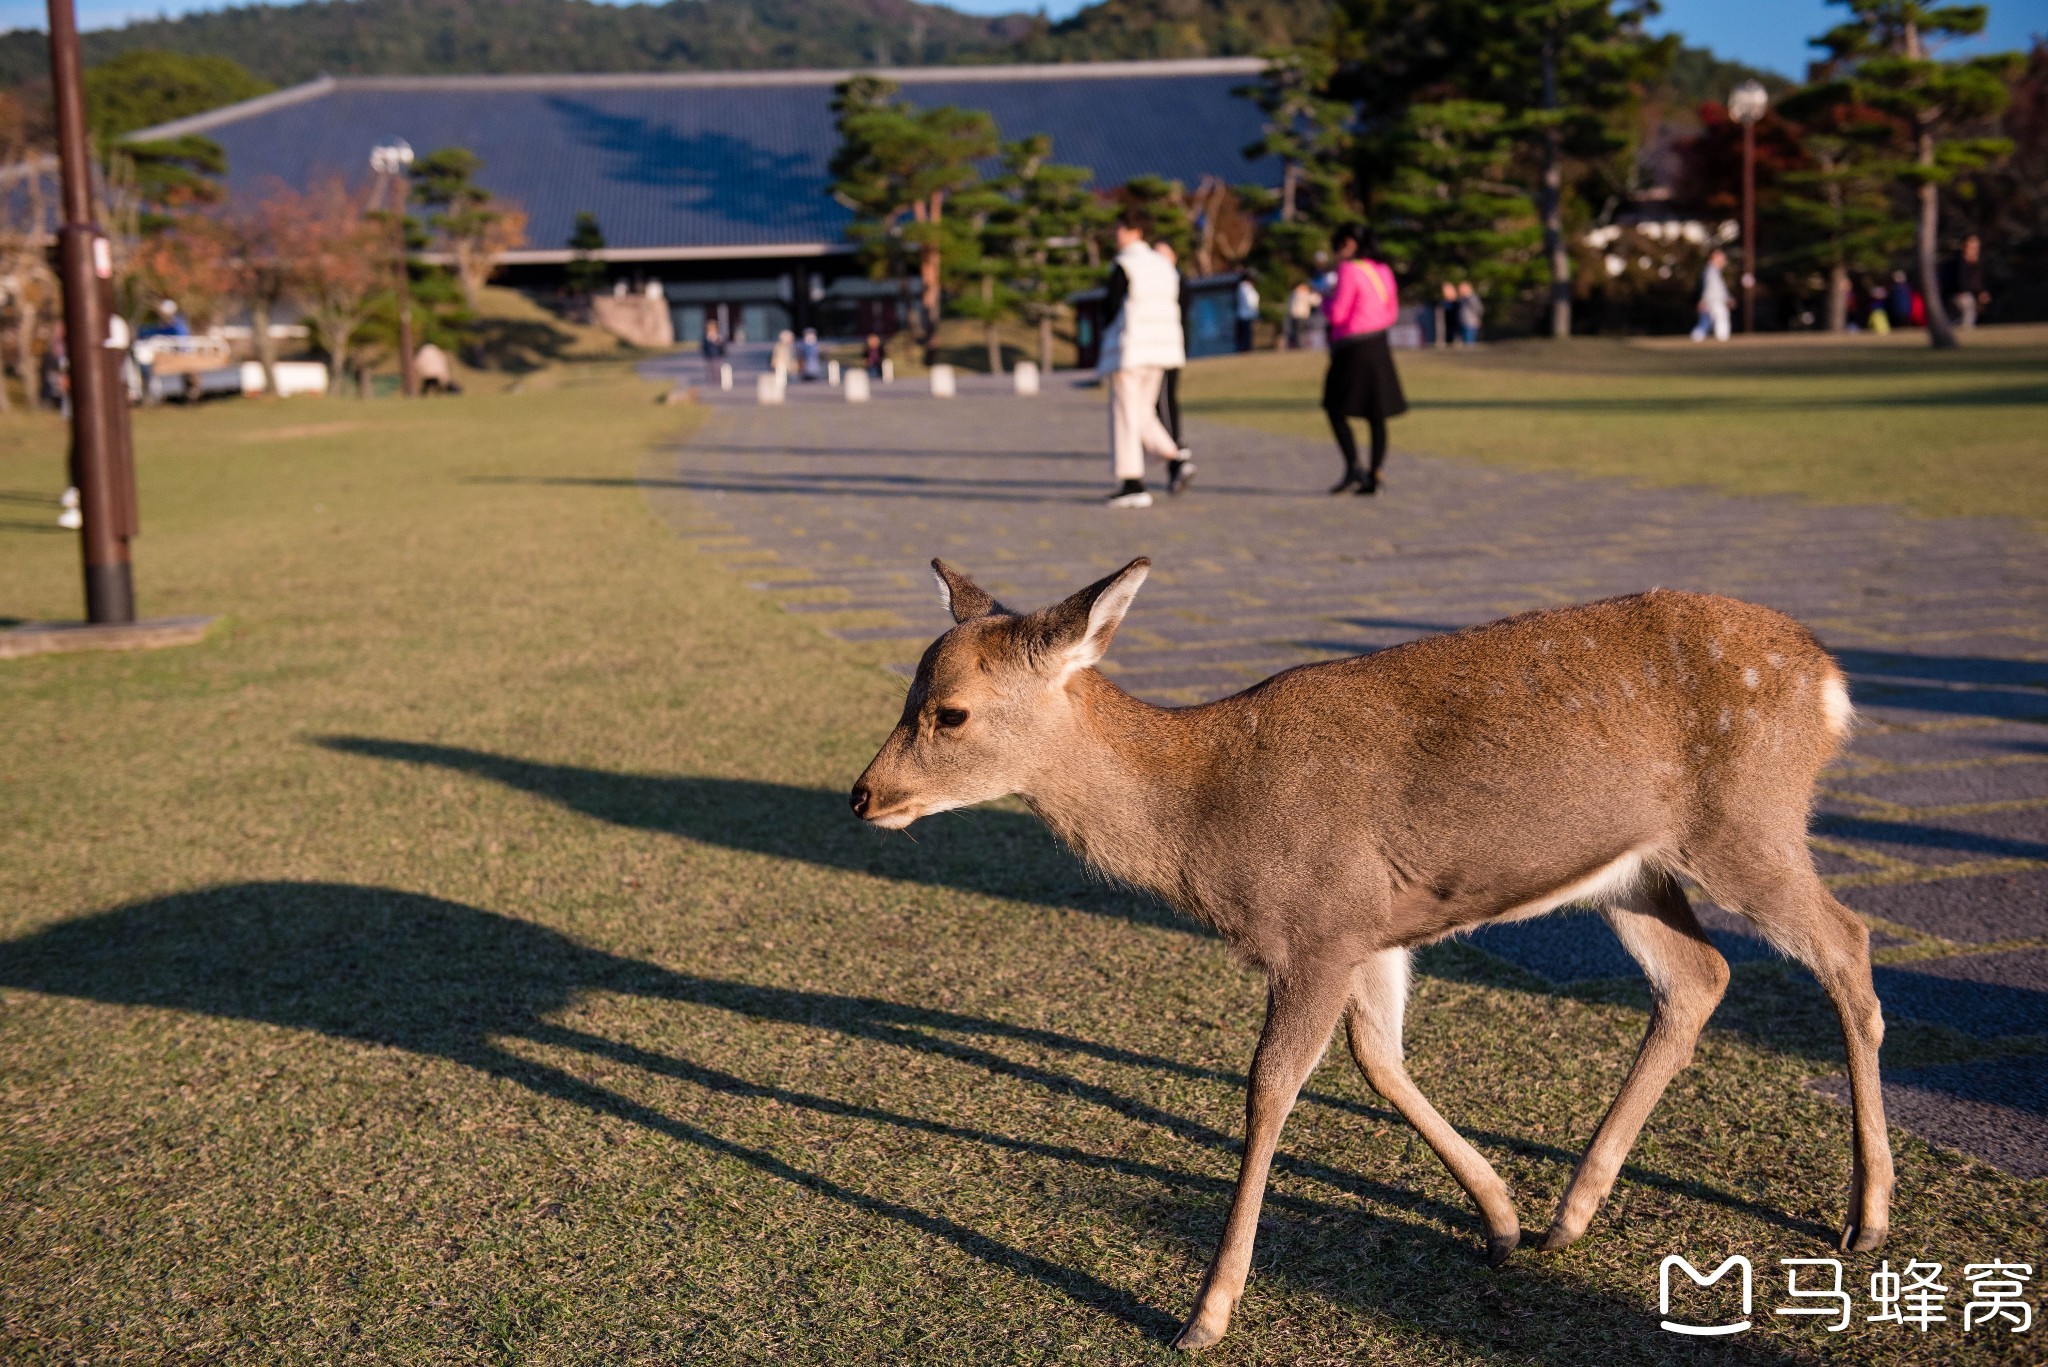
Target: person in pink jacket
1361, 303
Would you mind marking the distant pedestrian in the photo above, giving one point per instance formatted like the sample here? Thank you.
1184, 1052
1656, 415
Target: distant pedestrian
1713, 305
1142, 342
1898, 301
874, 355
1963, 281
432, 371
1301, 312
782, 356
1471, 313
714, 349
810, 364
1447, 315
1247, 309
1363, 302
1183, 470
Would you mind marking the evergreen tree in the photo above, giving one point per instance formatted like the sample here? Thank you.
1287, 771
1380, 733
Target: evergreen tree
1451, 211
1883, 58
895, 168
1835, 208
475, 227
1049, 232
1313, 136
585, 273
1565, 71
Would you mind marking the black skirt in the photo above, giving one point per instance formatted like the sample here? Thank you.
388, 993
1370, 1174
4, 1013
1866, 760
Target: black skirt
1362, 382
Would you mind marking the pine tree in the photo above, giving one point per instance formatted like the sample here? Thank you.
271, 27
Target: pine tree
585, 273
1563, 70
1048, 232
1883, 58
1451, 211
895, 167
1313, 135
475, 227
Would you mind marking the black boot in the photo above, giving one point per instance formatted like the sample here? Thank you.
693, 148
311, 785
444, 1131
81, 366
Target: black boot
1353, 479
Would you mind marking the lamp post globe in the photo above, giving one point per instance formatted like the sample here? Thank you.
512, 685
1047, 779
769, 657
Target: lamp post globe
391, 158
1748, 102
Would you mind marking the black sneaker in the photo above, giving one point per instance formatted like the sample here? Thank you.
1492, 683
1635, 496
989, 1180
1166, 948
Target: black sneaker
1180, 473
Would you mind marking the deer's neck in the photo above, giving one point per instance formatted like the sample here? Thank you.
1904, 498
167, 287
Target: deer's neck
1118, 793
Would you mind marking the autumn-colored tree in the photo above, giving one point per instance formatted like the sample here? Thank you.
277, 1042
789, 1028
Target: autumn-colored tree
343, 264
188, 261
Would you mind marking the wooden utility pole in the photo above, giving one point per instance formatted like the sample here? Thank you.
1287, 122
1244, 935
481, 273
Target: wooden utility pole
101, 463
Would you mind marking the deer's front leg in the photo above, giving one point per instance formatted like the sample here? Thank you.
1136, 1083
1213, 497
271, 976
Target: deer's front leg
1301, 1011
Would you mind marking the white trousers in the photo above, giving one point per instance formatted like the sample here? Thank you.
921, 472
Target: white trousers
1713, 320
1134, 426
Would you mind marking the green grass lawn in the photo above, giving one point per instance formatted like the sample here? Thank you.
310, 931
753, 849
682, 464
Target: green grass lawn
1959, 433
466, 954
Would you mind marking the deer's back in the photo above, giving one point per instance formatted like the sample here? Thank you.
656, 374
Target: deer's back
1537, 748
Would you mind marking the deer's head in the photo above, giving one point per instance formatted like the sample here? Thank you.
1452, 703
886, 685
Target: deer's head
992, 702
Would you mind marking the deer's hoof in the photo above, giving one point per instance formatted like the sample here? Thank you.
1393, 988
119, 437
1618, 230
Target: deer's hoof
1196, 1335
1558, 1238
1863, 1238
1499, 1246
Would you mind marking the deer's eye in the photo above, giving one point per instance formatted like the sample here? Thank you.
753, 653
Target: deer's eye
951, 717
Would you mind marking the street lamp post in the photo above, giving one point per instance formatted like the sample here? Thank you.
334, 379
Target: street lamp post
390, 161
85, 266
1746, 104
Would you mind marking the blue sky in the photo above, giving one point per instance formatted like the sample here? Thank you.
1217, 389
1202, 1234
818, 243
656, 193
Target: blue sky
1765, 33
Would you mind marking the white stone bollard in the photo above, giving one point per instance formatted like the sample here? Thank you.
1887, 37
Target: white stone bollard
768, 388
1025, 377
832, 373
944, 385
725, 375
856, 386
888, 371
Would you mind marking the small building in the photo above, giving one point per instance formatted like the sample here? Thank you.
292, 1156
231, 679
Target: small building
714, 187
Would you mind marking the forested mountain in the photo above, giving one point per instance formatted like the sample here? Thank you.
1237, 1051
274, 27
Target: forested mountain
289, 43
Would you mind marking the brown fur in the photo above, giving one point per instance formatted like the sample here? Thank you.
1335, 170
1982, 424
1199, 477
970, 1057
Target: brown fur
1334, 816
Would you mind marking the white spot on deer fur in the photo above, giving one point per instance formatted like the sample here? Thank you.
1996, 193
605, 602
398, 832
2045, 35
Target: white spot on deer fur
1609, 883
1725, 719
1650, 674
1546, 646
1835, 706
1589, 643
1749, 714
1777, 661
1750, 678
1571, 704
1628, 690
1714, 649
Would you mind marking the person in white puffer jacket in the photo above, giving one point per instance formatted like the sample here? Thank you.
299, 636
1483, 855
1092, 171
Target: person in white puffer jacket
1142, 342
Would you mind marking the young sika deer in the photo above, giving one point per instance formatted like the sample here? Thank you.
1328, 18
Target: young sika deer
1327, 821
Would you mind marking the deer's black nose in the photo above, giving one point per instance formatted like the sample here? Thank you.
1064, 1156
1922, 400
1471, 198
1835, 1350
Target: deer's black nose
860, 798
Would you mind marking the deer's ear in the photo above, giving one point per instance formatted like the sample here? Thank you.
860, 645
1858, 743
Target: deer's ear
962, 596
1076, 632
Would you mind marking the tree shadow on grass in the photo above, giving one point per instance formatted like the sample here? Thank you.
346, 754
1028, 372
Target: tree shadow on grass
445, 980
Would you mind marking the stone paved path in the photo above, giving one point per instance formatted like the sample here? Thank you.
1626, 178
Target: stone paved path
1935, 827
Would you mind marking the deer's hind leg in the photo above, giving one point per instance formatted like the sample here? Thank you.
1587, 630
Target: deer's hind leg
1373, 1019
1768, 877
1687, 976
